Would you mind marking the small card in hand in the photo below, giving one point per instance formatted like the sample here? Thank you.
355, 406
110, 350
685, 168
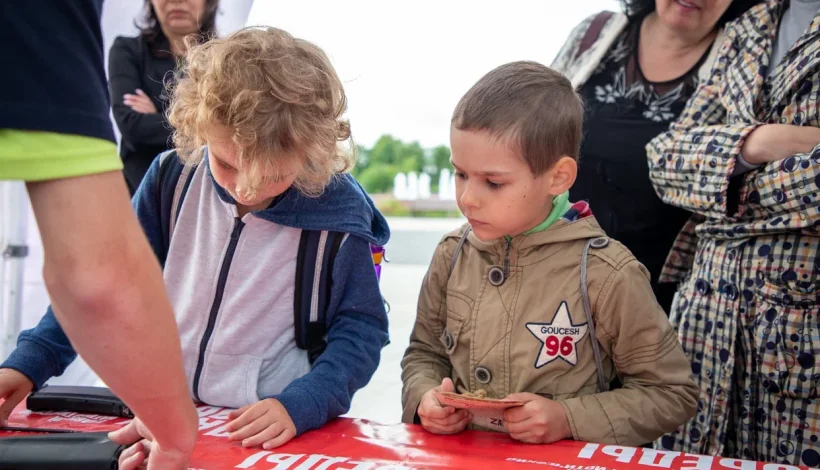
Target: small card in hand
470, 402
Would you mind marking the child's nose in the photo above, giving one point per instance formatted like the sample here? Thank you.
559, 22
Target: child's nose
469, 198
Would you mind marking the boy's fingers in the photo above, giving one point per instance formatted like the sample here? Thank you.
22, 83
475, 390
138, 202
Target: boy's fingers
279, 440
251, 414
436, 412
453, 423
263, 435
11, 401
237, 413
454, 418
251, 429
515, 415
518, 427
447, 385
526, 437
438, 429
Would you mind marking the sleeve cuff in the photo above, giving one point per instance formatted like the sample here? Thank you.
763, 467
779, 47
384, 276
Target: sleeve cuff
742, 166
413, 400
31, 360
714, 200
301, 408
588, 420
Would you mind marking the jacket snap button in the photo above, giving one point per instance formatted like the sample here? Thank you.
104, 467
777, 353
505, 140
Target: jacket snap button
482, 374
448, 340
496, 276
702, 287
600, 242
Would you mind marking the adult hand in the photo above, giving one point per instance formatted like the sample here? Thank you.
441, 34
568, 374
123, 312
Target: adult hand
139, 102
145, 450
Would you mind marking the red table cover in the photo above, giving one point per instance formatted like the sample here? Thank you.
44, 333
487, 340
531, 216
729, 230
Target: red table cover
350, 444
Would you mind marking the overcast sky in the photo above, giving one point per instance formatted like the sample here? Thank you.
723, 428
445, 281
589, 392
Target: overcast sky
406, 64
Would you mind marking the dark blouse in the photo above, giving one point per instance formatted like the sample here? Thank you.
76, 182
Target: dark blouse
624, 111
134, 63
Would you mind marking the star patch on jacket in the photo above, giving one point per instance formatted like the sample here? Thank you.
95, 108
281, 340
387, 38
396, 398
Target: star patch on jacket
559, 339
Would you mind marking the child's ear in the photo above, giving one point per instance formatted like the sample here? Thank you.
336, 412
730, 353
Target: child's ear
562, 175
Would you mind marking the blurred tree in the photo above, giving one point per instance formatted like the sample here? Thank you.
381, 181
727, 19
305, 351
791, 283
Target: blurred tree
376, 167
441, 160
378, 178
362, 160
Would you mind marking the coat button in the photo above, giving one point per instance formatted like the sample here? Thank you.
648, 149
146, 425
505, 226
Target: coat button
702, 287
730, 291
496, 276
482, 374
448, 340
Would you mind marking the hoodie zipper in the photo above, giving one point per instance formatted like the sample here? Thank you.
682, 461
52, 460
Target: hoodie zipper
238, 225
507, 257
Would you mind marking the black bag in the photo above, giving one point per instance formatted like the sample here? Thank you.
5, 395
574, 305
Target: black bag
70, 451
80, 399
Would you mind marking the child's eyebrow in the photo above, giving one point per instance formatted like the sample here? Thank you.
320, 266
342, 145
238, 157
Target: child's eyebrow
485, 173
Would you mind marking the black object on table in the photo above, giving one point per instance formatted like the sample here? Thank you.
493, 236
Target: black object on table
69, 451
80, 399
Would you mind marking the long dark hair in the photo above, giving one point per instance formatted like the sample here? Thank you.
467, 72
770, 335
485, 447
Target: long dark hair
151, 30
639, 9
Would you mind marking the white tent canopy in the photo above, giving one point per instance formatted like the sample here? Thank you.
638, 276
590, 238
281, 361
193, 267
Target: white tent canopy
23, 297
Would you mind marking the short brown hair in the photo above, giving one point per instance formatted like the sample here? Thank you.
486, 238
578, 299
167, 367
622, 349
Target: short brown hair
532, 105
278, 95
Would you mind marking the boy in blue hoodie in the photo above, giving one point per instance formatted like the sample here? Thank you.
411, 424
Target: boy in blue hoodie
258, 123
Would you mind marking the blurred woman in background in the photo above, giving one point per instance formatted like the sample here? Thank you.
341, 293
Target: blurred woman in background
140, 69
635, 72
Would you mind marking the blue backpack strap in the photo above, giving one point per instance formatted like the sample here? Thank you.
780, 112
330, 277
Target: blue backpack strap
172, 185
314, 279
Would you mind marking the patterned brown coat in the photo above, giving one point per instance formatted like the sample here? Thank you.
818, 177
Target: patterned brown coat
748, 261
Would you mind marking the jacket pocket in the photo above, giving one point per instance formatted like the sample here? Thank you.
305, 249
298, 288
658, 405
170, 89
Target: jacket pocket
787, 336
459, 309
230, 380
449, 337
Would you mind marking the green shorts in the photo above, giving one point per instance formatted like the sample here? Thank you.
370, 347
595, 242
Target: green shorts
41, 156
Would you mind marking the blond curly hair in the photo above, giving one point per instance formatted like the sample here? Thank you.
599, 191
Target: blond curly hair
278, 95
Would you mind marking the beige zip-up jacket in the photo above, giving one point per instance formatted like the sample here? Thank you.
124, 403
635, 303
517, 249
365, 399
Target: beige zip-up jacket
530, 334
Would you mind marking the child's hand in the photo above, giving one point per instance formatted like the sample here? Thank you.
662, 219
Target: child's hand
438, 419
14, 386
538, 421
265, 424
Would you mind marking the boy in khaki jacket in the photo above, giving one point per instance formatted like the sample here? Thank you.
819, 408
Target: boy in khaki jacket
502, 305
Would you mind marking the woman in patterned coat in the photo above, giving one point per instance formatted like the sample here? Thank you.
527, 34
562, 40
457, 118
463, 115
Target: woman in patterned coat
744, 157
635, 72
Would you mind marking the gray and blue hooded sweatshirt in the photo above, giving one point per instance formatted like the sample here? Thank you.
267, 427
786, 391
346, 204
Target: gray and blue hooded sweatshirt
231, 282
